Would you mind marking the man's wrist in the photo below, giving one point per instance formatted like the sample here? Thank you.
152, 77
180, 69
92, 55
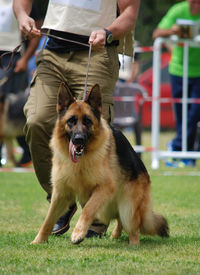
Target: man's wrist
109, 37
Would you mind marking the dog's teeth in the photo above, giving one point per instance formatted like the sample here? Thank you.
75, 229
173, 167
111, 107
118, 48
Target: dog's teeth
79, 151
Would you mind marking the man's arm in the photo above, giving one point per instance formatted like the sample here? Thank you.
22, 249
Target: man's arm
22, 63
22, 9
125, 22
166, 32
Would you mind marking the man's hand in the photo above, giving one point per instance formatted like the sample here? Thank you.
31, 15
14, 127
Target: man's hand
176, 30
98, 40
27, 26
21, 65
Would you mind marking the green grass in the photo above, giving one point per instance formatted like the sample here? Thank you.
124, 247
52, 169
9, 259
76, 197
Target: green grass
23, 208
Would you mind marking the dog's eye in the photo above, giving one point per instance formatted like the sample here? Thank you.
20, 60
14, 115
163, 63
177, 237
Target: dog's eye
71, 121
87, 121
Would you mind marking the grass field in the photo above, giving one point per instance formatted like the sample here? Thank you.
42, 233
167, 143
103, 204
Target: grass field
176, 194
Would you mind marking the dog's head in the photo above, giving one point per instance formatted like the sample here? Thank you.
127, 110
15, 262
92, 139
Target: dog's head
79, 120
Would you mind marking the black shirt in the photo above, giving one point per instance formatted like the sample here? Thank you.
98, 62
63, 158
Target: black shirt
61, 46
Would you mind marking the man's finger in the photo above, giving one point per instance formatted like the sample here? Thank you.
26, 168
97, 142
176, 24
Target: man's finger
92, 37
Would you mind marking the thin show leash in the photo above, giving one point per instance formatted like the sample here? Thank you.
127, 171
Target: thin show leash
15, 50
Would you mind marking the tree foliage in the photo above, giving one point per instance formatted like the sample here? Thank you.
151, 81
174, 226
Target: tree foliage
151, 12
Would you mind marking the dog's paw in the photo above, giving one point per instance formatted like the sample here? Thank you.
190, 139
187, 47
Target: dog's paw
116, 233
77, 237
113, 236
34, 242
134, 240
38, 240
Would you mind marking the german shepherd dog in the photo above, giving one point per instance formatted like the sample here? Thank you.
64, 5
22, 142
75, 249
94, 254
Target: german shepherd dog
12, 120
96, 164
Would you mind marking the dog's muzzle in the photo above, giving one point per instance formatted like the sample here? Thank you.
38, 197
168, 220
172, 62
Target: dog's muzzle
76, 147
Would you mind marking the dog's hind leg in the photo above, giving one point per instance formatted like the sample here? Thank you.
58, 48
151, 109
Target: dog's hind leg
132, 229
60, 203
130, 219
102, 194
117, 231
134, 239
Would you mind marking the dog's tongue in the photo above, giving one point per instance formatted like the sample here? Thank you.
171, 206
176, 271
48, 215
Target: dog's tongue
72, 150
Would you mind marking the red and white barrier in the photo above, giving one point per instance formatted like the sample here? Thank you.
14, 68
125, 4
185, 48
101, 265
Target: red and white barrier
160, 99
143, 49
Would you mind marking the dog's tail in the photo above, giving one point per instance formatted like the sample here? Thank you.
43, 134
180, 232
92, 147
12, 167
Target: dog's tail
154, 224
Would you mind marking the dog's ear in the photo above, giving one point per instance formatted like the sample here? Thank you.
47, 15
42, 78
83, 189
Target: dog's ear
94, 99
65, 98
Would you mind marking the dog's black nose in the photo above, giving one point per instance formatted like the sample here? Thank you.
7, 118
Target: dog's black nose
78, 139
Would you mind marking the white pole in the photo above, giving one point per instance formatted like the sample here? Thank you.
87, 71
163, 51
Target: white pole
156, 103
185, 96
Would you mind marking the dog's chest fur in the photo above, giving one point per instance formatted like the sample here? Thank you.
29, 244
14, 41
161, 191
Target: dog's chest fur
91, 170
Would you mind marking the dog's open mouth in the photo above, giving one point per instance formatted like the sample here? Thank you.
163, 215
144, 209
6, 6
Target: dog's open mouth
75, 151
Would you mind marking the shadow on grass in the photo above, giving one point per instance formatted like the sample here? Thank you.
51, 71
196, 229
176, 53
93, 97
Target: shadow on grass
19, 240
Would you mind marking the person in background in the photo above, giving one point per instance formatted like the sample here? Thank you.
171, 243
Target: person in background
189, 10
135, 69
63, 61
15, 78
129, 66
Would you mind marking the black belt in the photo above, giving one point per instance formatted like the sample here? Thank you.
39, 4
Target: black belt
77, 37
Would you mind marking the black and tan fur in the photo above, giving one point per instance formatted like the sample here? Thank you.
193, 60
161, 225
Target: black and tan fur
96, 164
12, 120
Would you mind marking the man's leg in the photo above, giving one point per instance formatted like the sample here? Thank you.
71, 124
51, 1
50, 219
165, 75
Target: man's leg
176, 83
104, 69
40, 111
193, 112
26, 155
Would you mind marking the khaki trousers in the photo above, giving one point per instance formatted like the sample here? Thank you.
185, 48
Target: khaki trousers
40, 109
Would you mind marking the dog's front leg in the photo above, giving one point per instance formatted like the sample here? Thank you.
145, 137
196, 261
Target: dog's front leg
101, 195
117, 231
60, 203
10, 152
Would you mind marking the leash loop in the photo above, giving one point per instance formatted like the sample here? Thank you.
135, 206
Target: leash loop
16, 49
52, 36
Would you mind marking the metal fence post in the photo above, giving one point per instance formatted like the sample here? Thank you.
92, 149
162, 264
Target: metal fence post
185, 96
157, 154
156, 103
